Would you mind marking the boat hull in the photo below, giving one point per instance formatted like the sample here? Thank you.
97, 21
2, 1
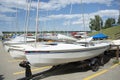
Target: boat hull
115, 44
39, 59
17, 53
6, 48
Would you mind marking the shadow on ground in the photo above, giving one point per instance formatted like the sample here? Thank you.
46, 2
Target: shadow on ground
1, 77
68, 68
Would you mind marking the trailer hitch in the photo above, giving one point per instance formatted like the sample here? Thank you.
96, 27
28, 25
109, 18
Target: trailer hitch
26, 65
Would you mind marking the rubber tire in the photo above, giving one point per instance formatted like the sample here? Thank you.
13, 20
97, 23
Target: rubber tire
95, 67
102, 61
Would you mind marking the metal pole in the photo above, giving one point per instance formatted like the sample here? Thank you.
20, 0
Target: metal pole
37, 23
27, 19
117, 53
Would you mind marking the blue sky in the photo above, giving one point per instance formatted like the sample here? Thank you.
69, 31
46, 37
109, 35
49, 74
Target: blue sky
55, 15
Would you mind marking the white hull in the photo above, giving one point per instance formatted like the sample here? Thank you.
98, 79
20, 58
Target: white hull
40, 59
16, 41
114, 44
17, 53
64, 37
6, 48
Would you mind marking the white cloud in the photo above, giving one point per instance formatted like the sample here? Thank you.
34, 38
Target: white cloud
51, 5
102, 13
61, 16
77, 19
106, 13
20, 4
10, 4
6, 18
65, 16
58, 4
6, 9
106, 2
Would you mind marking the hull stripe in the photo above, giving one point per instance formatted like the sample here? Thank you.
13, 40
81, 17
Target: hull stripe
64, 51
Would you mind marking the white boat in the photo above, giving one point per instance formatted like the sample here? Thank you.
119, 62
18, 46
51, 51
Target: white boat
48, 36
114, 44
17, 40
80, 34
1, 35
60, 53
64, 37
85, 40
50, 55
18, 51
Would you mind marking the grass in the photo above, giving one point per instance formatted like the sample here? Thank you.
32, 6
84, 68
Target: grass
115, 61
110, 32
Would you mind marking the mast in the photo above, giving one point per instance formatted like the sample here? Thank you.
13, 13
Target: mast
16, 19
27, 19
37, 23
69, 22
83, 19
83, 16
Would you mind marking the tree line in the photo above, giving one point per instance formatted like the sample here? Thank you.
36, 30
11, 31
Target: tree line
97, 23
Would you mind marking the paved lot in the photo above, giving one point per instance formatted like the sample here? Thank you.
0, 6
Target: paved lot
9, 70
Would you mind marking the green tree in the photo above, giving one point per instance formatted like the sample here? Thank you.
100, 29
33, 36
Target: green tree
91, 24
109, 22
96, 23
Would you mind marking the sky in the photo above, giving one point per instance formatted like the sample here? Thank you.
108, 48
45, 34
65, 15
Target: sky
54, 15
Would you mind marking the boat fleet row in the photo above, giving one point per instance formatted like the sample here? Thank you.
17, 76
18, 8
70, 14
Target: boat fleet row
50, 53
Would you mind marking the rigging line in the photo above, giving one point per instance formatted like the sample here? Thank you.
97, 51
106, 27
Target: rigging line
37, 23
44, 27
25, 21
26, 25
83, 18
16, 19
71, 11
69, 22
71, 6
100, 22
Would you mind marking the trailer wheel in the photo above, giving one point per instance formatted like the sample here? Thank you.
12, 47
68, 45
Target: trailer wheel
101, 60
95, 65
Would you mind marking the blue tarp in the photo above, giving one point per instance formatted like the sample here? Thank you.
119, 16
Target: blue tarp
100, 36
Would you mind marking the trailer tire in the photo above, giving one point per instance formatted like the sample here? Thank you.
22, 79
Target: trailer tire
101, 60
95, 65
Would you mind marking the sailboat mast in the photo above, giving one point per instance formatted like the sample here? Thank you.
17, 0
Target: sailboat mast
27, 18
16, 19
69, 23
83, 16
37, 23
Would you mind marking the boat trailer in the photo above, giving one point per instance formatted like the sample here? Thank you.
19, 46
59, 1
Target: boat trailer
28, 72
93, 64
